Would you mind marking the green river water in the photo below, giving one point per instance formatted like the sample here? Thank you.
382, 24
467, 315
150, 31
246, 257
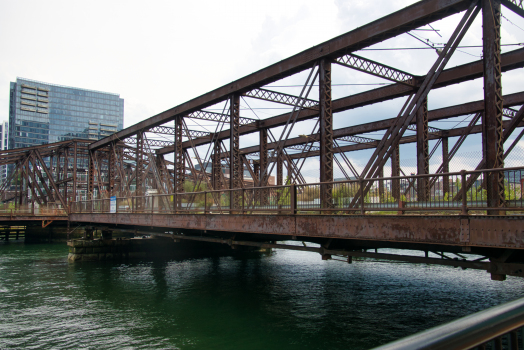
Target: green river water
284, 300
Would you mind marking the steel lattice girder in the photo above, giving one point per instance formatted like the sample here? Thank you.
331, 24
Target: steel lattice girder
218, 117
377, 69
401, 21
350, 133
150, 142
167, 130
508, 112
514, 5
510, 60
477, 129
278, 97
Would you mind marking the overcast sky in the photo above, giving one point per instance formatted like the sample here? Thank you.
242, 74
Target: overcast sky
158, 54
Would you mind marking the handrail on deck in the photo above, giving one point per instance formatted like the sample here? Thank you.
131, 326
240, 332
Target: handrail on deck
438, 193
499, 325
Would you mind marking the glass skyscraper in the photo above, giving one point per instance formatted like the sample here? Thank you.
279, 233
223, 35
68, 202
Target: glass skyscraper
44, 113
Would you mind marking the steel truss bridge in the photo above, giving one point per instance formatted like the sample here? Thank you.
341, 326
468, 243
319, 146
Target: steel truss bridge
471, 219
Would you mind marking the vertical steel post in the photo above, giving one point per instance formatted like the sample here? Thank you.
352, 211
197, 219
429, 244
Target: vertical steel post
326, 134
280, 175
111, 168
264, 168
493, 104
256, 171
395, 171
280, 170
289, 172
445, 165
293, 198
234, 151
58, 171
422, 152
263, 178
216, 167
464, 192
65, 170
381, 184
75, 162
139, 169
179, 162
91, 175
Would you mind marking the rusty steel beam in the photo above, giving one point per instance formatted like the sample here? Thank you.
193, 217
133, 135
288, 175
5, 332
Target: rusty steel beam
393, 135
438, 230
445, 163
150, 142
510, 60
422, 151
395, 171
91, 175
216, 167
493, 139
477, 129
377, 69
179, 160
326, 134
509, 126
404, 20
51, 180
235, 162
218, 117
167, 130
350, 133
278, 97
515, 6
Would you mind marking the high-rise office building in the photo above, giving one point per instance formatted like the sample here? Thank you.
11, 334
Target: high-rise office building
44, 113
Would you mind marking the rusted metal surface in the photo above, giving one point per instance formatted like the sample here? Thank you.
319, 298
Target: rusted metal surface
31, 218
387, 27
514, 5
423, 150
426, 209
510, 60
493, 232
377, 69
326, 134
492, 117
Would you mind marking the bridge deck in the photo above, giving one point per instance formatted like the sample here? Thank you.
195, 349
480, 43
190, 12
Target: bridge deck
465, 231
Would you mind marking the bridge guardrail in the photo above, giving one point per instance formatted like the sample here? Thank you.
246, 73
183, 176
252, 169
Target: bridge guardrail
29, 210
499, 327
443, 193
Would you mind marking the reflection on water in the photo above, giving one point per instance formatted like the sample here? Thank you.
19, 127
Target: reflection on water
287, 300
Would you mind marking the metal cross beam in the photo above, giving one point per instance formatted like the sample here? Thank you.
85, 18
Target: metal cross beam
515, 6
278, 97
150, 142
218, 117
357, 139
377, 69
167, 130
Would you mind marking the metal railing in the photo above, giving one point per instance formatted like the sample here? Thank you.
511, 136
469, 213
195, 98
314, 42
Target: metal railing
30, 210
442, 193
497, 328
